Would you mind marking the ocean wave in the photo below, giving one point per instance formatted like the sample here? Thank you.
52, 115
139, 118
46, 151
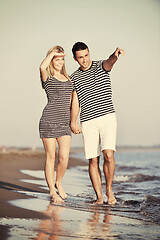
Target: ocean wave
127, 168
138, 177
132, 202
146, 209
150, 208
123, 178
151, 199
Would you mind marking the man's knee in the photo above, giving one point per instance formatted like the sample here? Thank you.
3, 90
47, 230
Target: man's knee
94, 162
108, 155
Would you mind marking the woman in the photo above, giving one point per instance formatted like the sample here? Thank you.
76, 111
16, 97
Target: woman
54, 124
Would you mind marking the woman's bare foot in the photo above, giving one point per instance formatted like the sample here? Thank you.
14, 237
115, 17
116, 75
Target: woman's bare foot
61, 192
111, 198
55, 198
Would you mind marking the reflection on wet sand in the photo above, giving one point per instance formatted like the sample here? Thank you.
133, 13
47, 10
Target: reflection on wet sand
50, 228
99, 225
96, 225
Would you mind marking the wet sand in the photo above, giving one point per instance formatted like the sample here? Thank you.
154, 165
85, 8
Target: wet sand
28, 216
10, 165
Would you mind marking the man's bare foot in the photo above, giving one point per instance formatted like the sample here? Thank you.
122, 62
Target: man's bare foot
99, 201
61, 192
111, 198
55, 198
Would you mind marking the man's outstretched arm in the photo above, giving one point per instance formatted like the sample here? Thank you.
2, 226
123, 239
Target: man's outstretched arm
74, 114
108, 64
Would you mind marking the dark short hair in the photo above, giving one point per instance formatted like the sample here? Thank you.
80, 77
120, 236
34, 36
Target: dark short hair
78, 46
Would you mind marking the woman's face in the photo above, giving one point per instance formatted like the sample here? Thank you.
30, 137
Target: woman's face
58, 62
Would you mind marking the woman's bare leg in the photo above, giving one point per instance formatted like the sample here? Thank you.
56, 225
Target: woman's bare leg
64, 143
50, 150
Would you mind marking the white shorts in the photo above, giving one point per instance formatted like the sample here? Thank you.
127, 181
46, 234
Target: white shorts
99, 134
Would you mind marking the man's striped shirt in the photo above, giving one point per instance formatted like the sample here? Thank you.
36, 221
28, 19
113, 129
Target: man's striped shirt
93, 88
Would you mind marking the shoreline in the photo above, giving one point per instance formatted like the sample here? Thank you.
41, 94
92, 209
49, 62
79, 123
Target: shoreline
11, 164
65, 221
14, 149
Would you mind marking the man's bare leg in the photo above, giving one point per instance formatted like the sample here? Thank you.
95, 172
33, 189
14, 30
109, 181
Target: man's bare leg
95, 176
109, 169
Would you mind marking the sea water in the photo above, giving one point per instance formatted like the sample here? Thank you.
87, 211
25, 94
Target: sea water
136, 184
136, 215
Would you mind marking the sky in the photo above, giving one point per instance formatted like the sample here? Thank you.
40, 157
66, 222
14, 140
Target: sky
30, 27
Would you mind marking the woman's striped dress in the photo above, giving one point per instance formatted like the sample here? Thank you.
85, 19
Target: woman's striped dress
55, 119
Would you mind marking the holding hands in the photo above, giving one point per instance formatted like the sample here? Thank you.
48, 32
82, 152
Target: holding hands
75, 128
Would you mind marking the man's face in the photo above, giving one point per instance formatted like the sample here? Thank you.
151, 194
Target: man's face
83, 58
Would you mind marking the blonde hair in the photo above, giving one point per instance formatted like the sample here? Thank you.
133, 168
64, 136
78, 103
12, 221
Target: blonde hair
50, 70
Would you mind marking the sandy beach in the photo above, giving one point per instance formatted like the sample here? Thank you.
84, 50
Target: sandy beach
31, 216
10, 165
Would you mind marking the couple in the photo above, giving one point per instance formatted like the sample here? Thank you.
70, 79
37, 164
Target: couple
88, 88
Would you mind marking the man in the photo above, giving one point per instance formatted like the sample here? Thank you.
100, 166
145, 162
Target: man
93, 94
